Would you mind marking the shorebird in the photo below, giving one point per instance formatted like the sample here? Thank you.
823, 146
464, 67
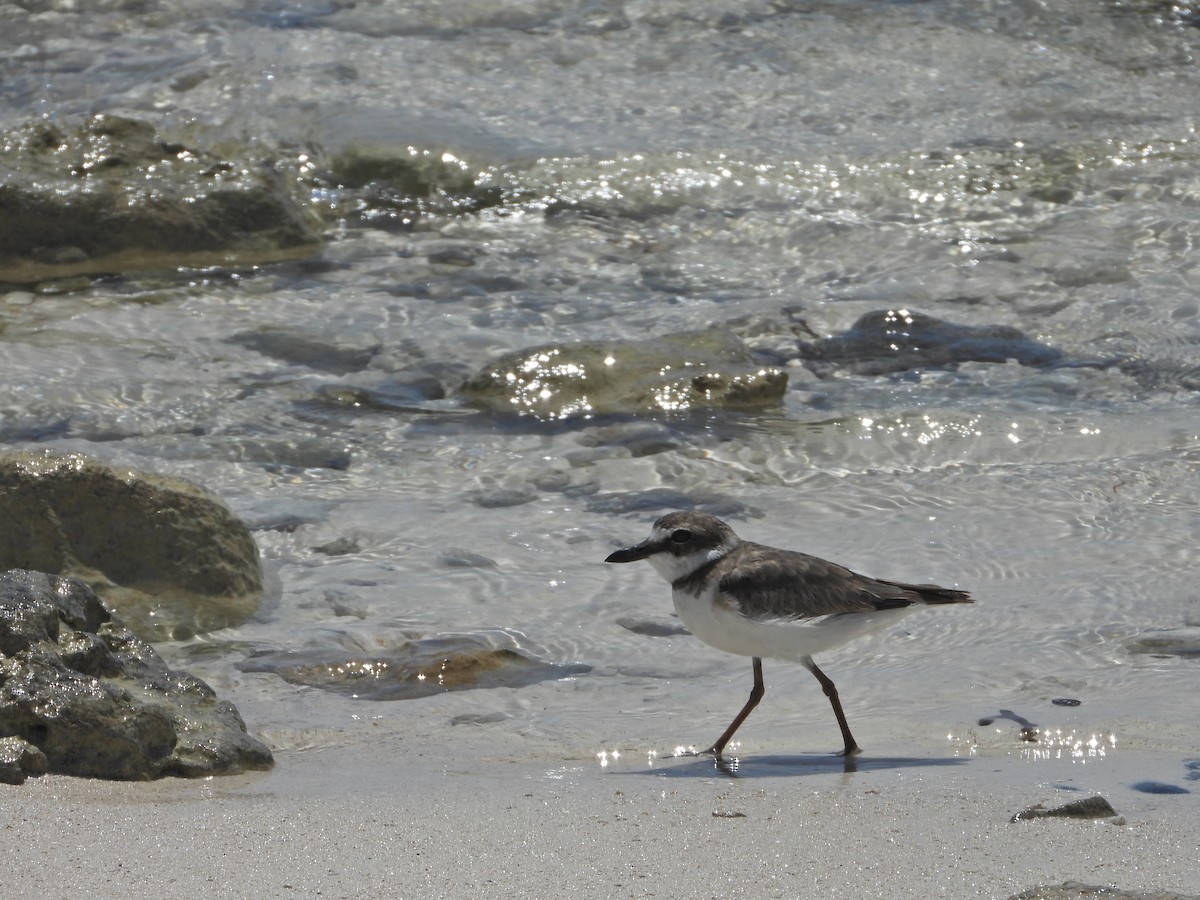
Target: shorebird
765, 603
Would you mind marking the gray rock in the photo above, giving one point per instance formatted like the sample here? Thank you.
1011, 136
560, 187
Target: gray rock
168, 555
97, 701
897, 340
675, 373
19, 759
416, 669
1088, 808
1183, 642
1074, 890
113, 196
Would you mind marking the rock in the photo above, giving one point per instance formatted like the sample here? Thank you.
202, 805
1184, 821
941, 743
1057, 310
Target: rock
395, 185
415, 669
1088, 808
651, 627
96, 701
19, 759
1074, 890
675, 373
168, 555
1183, 642
897, 340
709, 501
325, 354
112, 196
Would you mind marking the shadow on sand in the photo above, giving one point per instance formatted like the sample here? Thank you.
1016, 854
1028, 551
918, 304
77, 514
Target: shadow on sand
669, 766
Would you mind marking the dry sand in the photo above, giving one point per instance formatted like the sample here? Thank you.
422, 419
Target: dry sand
505, 814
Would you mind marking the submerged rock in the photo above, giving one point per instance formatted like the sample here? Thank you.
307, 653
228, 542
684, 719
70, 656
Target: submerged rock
112, 196
394, 186
887, 341
167, 554
416, 669
96, 701
672, 374
1183, 642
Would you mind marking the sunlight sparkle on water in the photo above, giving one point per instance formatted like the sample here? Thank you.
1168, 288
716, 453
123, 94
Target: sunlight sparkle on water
925, 431
605, 755
1068, 745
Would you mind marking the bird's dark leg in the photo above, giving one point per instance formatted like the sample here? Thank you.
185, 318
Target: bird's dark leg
756, 694
831, 692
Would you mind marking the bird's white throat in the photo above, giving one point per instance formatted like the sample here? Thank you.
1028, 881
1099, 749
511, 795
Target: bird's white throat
672, 567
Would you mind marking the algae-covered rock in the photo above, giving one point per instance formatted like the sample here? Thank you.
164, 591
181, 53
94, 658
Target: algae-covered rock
672, 374
395, 185
97, 701
170, 556
113, 196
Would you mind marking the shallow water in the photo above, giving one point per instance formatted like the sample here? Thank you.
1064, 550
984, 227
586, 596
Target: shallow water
666, 167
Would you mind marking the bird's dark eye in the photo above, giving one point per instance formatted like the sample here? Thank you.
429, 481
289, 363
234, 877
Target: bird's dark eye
681, 535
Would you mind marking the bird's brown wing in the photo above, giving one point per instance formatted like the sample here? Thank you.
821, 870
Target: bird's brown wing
791, 585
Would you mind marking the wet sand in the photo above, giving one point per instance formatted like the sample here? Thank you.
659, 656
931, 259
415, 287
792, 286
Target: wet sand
494, 812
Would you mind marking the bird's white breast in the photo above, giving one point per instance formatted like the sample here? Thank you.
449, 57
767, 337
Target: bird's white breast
717, 622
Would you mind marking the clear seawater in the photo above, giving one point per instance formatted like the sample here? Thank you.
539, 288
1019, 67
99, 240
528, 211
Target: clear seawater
679, 165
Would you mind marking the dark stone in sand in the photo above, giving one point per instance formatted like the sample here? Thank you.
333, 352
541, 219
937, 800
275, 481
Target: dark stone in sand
1089, 808
1074, 890
167, 554
113, 196
96, 701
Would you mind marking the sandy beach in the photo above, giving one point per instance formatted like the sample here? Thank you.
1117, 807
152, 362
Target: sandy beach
382, 811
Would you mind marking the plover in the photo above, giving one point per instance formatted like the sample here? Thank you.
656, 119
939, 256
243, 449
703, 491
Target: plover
765, 603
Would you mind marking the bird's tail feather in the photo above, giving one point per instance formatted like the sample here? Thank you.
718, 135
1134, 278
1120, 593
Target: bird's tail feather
932, 593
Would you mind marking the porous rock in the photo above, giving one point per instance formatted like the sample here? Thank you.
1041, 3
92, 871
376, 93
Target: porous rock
167, 554
85, 696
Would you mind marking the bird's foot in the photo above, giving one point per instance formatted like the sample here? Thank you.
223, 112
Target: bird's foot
714, 751
850, 751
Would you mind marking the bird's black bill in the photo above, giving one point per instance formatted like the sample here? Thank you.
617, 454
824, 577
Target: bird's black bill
630, 554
